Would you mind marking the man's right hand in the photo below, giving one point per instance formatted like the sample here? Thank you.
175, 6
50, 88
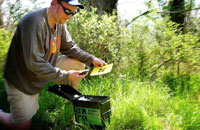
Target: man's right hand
75, 78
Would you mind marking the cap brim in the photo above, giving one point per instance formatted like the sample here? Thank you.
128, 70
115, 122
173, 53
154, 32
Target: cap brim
74, 3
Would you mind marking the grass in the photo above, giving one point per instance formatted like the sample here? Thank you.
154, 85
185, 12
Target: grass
134, 104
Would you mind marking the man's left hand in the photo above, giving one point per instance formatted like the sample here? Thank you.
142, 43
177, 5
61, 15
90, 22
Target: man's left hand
98, 62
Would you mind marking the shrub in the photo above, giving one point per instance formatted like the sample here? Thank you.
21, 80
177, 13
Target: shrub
101, 36
5, 38
148, 49
155, 48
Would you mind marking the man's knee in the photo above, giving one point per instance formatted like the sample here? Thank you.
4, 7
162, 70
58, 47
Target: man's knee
20, 126
75, 64
71, 64
6, 121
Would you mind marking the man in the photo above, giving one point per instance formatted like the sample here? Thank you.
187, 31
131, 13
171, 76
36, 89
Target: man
33, 60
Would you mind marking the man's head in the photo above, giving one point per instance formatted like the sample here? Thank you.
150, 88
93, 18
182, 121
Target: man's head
73, 3
65, 9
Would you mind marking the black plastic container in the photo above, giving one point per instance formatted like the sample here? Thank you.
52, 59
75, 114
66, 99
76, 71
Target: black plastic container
90, 110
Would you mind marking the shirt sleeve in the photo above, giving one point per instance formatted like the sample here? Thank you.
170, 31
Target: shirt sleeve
32, 36
69, 48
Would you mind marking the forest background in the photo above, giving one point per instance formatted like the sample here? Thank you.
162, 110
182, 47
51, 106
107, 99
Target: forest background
155, 80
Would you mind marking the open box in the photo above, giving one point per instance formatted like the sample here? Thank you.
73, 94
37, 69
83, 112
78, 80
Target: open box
92, 110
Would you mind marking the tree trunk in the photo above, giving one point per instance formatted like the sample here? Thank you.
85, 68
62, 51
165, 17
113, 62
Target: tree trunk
1, 13
176, 7
102, 5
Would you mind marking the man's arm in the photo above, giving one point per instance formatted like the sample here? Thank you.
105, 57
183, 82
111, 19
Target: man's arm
33, 53
69, 48
98, 62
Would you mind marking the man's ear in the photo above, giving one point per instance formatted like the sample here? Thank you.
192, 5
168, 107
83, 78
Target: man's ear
54, 2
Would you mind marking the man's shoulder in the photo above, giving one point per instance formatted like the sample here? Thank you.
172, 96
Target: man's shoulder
34, 17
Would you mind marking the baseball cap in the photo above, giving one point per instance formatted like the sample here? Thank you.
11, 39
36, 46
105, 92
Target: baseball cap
75, 3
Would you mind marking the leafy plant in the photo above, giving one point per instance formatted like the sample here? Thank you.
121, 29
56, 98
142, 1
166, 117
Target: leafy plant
5, 38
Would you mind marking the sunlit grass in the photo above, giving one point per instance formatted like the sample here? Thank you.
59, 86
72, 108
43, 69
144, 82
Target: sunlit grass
134, 105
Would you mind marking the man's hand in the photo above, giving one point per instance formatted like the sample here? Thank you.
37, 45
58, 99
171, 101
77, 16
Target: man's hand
98, 62
75, 78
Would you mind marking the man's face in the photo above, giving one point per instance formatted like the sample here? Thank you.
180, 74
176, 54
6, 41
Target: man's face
65, 12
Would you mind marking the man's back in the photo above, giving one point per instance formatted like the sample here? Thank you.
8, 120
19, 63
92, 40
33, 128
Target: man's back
16, 69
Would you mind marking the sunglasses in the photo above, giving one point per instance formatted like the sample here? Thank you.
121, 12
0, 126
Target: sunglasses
67, 11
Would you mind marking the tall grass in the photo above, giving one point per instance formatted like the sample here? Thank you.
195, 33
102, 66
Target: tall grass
135, 105
146, 105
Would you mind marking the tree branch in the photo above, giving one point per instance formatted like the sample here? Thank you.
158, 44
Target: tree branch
159, 66
171, 12
177, 77
145, 13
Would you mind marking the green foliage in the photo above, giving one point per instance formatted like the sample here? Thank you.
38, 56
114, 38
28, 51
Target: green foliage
182, 85
5, 38
174, 52
52, 112
146, 105
134, 105
149, 49
159, 48
154, 83
101, 36
141, 108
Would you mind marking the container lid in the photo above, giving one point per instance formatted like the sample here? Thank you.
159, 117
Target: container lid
74, 95
65, 91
